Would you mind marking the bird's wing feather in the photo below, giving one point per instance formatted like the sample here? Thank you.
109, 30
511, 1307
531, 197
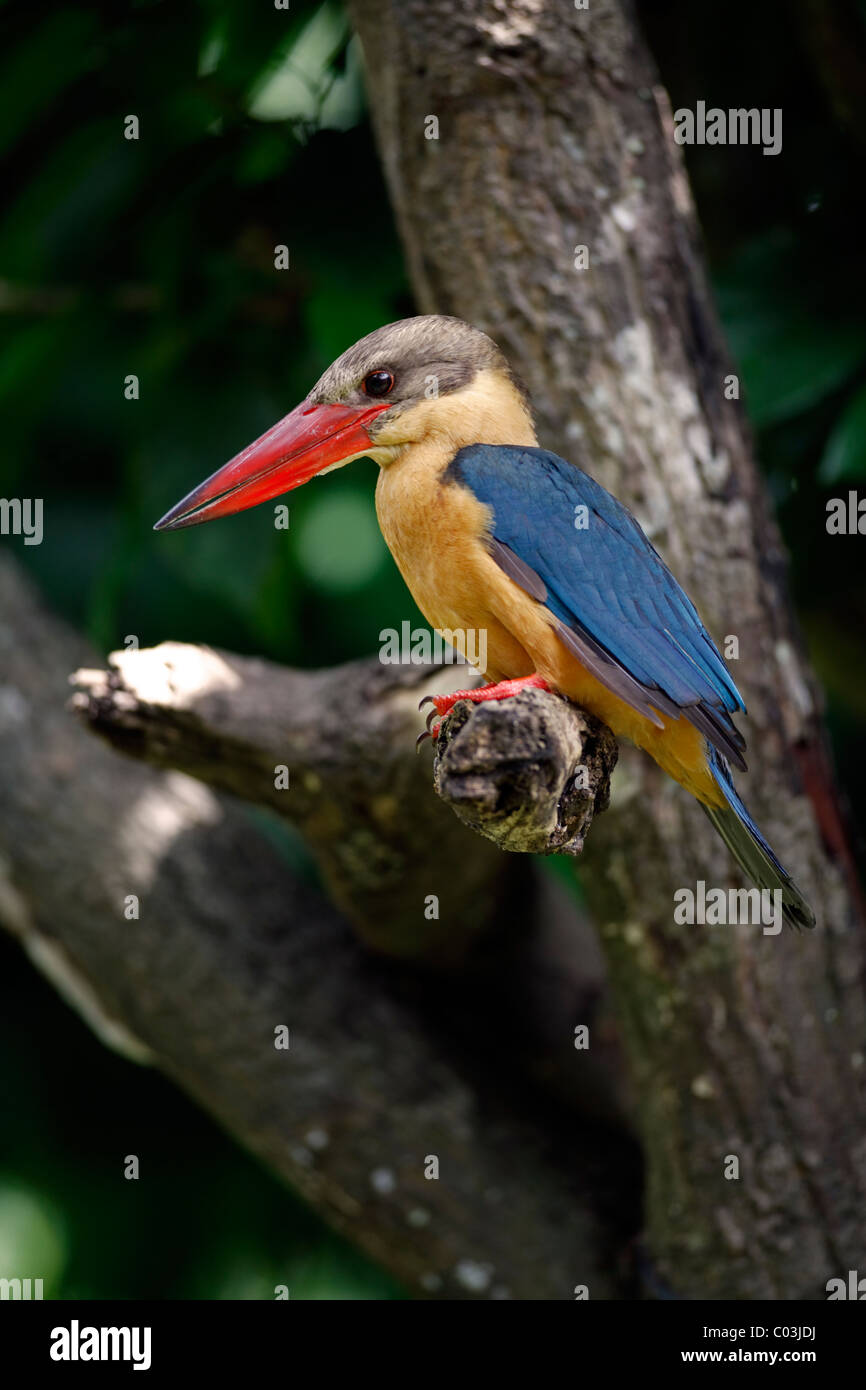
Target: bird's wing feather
617, 605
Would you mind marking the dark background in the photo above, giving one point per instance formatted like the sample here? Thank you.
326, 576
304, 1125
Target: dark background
156, 257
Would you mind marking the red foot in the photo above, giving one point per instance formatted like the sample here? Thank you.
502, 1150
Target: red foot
501, 690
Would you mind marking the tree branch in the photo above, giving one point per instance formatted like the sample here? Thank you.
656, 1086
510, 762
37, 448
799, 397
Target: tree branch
333, 753
386, 1065
529, 773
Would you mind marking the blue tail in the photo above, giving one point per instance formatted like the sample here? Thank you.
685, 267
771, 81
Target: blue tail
751, 850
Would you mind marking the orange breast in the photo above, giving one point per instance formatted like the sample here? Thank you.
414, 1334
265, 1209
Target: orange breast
436, 535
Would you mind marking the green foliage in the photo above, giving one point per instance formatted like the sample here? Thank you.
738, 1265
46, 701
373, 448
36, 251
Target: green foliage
800, 340
155, 257
845, 454
794, 348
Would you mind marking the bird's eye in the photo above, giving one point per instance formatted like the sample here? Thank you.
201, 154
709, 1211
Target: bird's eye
379, 383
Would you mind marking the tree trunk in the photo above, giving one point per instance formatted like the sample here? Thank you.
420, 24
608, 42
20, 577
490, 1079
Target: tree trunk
553, 134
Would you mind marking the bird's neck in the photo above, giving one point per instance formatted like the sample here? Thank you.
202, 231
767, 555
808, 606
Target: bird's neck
490, 410
425, 524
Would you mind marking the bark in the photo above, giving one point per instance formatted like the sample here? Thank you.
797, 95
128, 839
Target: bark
387, 1064
553, 134
329, 752
529, 775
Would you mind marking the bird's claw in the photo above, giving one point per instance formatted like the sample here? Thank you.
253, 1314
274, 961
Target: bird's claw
429, 732
435, 714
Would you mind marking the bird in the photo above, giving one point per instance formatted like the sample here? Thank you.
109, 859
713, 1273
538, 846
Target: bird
481, 522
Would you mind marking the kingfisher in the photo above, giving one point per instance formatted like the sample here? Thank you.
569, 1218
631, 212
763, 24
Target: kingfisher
482, 524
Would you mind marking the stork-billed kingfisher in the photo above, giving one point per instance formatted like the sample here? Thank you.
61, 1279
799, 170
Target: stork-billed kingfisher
481, 522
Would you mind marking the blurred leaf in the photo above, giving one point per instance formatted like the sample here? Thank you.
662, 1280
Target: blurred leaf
300, 79
27, 354
265, 156
245, 41
73, 194
339, 311
32, 1237
794, 346
845, 454
50, 59
339, 545
836, 648
792, 362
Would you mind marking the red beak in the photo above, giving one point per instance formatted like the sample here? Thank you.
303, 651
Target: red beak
308, 440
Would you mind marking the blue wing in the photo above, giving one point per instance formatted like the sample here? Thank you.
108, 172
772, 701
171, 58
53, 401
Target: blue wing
617, 605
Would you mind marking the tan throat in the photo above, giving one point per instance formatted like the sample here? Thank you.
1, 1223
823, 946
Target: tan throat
490, 410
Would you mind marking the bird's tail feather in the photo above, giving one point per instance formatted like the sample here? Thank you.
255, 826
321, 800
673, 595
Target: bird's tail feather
751, 850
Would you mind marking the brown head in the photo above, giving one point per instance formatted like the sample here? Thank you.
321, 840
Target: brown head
421, 378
